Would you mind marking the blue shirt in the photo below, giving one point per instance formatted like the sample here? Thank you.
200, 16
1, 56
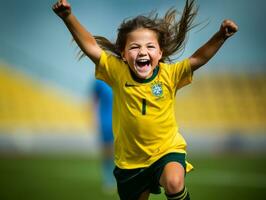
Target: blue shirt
104, 97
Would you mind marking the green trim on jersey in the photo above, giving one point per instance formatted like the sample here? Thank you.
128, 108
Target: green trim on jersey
139, 80
144, 123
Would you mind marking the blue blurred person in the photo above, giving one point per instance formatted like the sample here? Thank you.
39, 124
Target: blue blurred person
103, 98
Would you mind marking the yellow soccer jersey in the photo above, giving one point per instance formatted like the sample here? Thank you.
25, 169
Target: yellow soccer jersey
144, 123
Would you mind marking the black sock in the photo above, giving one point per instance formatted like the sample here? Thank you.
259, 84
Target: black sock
182, 195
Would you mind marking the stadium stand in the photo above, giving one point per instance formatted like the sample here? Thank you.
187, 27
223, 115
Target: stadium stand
213, 101
224, 101
27, 105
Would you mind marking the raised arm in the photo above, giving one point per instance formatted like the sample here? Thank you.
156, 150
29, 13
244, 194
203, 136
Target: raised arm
208, 50
83, 38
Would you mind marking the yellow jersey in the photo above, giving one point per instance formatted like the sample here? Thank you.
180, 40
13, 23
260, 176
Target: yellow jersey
144, 123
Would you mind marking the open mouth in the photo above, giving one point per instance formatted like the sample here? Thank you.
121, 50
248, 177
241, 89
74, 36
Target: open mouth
143, 63
143, 68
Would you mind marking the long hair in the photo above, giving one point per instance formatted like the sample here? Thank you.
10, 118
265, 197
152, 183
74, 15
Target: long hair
171, 33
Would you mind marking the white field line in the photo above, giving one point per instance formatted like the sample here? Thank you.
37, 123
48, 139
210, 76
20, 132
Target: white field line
227, 178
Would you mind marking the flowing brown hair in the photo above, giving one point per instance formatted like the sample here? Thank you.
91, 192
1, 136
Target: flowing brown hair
171, 33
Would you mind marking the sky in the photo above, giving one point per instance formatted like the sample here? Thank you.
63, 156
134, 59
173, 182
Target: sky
34, 40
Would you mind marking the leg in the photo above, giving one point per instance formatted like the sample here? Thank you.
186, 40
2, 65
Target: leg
145, 195
109, 183
172, 180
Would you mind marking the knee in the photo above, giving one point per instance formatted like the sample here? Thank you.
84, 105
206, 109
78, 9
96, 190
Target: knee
174, 185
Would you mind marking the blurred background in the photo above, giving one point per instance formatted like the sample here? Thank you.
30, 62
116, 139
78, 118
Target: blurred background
49, 144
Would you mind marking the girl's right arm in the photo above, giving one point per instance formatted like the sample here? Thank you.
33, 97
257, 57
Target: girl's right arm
83, 38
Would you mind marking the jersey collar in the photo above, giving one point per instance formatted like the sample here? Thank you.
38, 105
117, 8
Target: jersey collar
140, 80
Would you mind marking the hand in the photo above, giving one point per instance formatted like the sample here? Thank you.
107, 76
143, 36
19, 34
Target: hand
228, 28
62, 8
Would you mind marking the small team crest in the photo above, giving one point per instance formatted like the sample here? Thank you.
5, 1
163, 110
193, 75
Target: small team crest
157, 89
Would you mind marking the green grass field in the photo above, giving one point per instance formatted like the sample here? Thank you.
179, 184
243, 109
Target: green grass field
58, 177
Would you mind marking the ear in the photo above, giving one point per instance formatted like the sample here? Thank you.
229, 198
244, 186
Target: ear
161, 54
123, 56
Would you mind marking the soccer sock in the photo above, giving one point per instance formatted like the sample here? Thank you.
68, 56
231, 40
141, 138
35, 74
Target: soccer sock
182, 195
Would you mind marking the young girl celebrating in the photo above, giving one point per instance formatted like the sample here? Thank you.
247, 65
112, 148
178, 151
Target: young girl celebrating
149, 150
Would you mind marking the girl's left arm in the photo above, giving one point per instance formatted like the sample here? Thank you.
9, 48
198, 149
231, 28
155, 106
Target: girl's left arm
208, 50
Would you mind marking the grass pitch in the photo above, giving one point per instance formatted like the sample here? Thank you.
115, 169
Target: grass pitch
64, 177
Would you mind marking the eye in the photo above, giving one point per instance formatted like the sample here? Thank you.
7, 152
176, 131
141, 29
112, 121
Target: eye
134, 47
151, 46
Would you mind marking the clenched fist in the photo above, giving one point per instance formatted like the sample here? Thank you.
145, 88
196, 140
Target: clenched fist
62, 8
228, 28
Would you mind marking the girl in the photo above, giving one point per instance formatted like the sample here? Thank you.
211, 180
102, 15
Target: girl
149, 150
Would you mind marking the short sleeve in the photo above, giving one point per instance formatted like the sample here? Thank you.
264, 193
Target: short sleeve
102, 69
182, 73
109, 68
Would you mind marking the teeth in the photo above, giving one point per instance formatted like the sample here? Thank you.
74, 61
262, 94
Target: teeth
143, 60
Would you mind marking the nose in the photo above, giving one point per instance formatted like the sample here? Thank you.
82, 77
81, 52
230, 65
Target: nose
142, 51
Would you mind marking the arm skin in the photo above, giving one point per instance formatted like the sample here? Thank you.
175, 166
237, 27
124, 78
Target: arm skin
209, 49
89, 46
83, 38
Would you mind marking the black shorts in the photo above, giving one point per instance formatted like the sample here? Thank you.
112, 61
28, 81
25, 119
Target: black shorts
132, 182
